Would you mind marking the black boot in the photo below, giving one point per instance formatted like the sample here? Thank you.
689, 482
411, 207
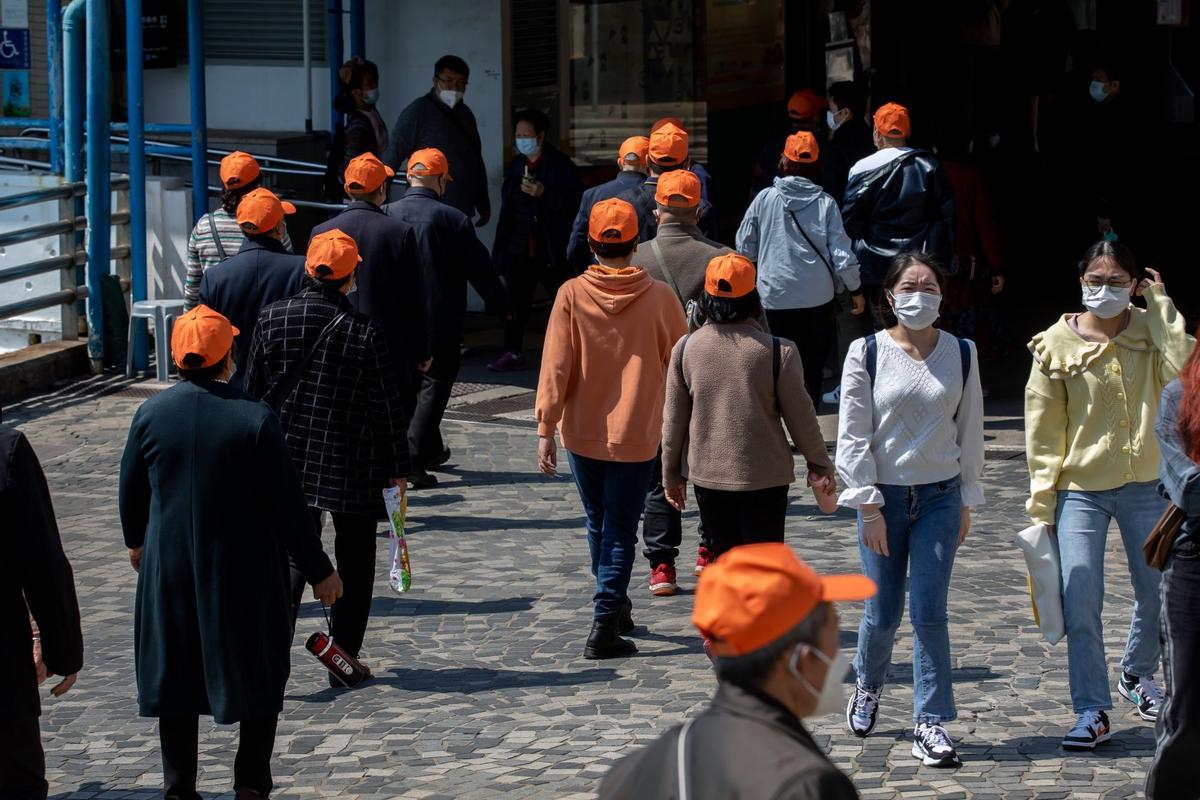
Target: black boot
625, 624
603, 641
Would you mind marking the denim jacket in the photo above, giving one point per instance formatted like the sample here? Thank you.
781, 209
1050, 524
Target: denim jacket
1180, 474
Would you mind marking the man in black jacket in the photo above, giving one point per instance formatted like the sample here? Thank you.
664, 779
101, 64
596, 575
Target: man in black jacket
450, 256
770, 625
849, 138
262, 272
668, 150
40, 585
897, 200
631, 163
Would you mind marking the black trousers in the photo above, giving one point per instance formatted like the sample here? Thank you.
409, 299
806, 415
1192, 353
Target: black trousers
179, 740
22, 761
522, 279
662, 525
1172, 774
734, 518
433, 395
354, 549
813, 332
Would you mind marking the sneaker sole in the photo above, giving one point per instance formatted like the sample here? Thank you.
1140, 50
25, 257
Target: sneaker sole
1149, 717
663, 589
1083, 747
929, 761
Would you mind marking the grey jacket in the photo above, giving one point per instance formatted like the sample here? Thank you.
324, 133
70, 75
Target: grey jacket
791, 273
1179, 473
686, 252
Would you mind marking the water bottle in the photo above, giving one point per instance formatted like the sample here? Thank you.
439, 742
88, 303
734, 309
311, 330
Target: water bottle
340, 664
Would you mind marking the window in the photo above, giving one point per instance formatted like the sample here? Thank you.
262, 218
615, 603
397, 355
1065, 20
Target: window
269, 31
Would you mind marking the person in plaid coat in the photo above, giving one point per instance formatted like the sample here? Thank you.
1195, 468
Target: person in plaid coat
344, 417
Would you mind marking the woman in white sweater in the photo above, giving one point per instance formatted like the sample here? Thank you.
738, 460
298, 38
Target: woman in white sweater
910, 453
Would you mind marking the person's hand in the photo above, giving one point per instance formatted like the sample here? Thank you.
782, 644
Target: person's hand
533, 188
424, 366
997, 284
964, 525
135, 558
874, 530
64, 686
328, 590
547, 456
1153, 278
39, 666
858, 304
484, 217
676, 496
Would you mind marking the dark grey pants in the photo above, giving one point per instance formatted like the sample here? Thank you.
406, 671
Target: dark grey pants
662, 525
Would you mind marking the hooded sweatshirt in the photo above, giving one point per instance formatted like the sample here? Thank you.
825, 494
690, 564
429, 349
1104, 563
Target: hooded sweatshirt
791, 274
604, 364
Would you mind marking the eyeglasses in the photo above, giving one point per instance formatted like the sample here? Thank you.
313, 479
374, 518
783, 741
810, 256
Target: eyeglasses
1115, 283
459, 85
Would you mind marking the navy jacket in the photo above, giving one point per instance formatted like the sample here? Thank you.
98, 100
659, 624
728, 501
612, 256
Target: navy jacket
450, 255
391, 287
242, 285
541, 224
642, 199
579, 256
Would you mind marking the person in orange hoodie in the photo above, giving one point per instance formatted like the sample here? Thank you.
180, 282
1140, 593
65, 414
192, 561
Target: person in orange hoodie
603, 378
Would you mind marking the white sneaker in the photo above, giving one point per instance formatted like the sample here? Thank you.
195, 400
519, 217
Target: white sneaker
934, 747
1090, 730
833, 397
862, 711
1144, 693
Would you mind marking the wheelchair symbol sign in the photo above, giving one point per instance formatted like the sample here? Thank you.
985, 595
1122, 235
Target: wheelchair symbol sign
14, 48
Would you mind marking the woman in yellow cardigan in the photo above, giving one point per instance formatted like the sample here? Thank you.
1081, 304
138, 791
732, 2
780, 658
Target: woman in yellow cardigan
1090, 406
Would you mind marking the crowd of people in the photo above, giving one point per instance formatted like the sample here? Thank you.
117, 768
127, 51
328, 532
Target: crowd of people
312, 382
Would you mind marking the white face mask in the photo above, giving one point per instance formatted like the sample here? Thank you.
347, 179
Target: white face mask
831, 122
1107, 301
916, 310
450, 97
831, 699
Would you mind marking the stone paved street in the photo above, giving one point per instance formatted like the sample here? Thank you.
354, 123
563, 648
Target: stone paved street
482, 691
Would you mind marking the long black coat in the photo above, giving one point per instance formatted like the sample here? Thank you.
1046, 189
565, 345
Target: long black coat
391, 288
241, 286
450, 254
545, 220
38, 574
209, 490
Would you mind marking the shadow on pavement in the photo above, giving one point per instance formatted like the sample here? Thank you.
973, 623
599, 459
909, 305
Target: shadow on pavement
1037, 748
453, 523
469, 680
421, 607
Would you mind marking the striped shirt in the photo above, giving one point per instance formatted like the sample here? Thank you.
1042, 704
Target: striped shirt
203, 252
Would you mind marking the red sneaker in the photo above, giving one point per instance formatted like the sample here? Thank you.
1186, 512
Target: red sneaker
704, 557
662, 581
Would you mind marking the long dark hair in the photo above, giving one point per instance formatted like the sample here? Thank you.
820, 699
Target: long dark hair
1113, 251
231, 198
900, 263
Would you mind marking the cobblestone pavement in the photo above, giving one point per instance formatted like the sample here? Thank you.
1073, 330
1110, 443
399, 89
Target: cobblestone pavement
481, 689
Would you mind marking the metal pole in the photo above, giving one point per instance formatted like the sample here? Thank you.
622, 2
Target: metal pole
333, 51
307, 45
135, 91
74, 102
358, 28
199, 117
99, 199
54, 56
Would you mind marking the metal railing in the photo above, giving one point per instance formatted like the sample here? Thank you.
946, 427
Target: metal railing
71, 256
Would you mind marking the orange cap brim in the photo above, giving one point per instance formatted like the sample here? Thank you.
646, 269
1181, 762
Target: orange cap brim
845, 588
288, 208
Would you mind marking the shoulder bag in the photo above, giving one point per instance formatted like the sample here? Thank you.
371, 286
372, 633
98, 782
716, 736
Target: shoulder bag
1161, 540
278, 394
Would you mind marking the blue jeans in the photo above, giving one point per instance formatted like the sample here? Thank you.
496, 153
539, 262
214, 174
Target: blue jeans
1081, 529
922, 536
613, 493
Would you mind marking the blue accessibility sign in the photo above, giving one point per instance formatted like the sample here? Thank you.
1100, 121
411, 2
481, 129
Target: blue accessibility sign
14, 48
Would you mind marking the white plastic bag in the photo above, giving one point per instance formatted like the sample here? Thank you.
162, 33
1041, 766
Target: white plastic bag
1045, 580
399, 569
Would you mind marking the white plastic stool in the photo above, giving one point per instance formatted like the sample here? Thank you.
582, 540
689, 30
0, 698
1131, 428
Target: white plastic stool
162, 312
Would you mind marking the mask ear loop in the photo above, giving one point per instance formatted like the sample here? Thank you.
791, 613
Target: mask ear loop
794, 668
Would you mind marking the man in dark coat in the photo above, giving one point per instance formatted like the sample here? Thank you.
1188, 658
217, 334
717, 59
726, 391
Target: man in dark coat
441, 119
390, 281
346, 426
450, 256
849, 138
770, 623
211, 510
668, 150
262, 272
631, 161
537, 205
40, 584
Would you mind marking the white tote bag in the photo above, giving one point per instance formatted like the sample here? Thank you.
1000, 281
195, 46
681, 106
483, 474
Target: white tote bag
1045, 580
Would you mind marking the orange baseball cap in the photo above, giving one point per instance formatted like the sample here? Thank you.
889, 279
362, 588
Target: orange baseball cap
238, 169
756, 593
613, 221
332, 255
260, 211
429, 162
658, 123
201, 332
805, 103
366, 173
892, 120
633, 150
801, 146
669, 145
679, 183
729, 275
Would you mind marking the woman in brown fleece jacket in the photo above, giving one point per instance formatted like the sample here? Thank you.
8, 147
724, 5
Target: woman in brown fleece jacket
729, 386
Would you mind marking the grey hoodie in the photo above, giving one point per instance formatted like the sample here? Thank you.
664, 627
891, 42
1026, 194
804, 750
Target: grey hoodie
790, 273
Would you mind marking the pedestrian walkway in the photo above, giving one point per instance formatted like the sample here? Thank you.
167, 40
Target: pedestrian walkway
482, 691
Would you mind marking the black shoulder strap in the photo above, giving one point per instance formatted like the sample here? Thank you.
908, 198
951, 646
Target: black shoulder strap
818, 253
278, 394
662, 264
872, 355
216, 234
964, 354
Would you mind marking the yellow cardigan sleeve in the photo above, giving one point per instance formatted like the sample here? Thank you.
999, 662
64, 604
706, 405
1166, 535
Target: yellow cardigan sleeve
1169, 333
1045, 442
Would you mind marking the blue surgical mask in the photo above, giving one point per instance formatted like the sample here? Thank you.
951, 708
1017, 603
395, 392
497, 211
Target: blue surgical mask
527, 145
1096, 90
371, 97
